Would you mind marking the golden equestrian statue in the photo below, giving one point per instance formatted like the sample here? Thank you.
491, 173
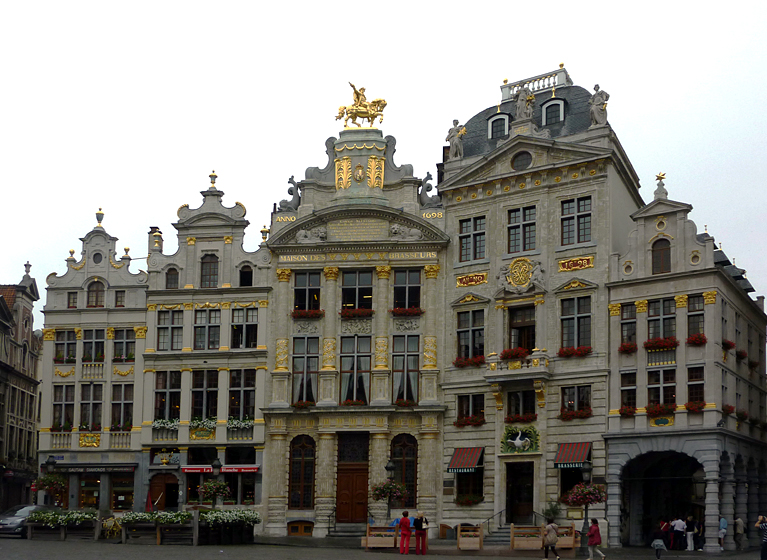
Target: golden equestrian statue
361, 109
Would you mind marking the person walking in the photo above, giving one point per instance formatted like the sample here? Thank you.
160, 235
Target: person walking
595, 539
665, 530
550, 538
722, 532
420, 524
659, 542
690, 531
761, 524
404, 533
740, 530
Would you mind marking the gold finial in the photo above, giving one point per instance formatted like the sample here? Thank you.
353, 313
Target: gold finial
705, 228
71, 253
561, 64
505, 81
99, 217
264, 232
499, 108
720, 245
126, 249
660, 176
213, 177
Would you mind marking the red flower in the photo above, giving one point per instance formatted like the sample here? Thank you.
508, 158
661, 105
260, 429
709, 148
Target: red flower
728, 409
406, 311
521, 418
474, 420
627, 411
347, 313
668, 343
728, 344
657, 409
308, 313
695, 406
476, 361
515, 354
697, 339
568, 415
741, 355
627, 348
569, 351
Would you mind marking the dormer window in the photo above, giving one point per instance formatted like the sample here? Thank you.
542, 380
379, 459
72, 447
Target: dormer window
209, 272
498, 126
661, 256
246, 276
553, 111
171, 279
96, 295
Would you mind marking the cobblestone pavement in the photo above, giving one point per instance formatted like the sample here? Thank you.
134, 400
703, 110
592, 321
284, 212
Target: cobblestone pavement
12, 548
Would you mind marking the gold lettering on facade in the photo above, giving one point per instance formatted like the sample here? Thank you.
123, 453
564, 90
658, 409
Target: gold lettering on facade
471, 280
576, 264
357, 229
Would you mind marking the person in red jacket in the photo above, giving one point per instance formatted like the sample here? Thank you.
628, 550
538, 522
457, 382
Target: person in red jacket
595, 539
404, 533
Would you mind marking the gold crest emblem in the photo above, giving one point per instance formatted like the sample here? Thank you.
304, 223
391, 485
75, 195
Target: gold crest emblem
359, 173
520, 272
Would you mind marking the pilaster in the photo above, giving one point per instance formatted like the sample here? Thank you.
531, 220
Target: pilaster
429, 372
325, 494
328, 376
741, 509
379, 456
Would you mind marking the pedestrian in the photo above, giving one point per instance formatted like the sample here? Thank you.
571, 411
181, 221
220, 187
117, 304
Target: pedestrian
761, 524
550, 538
700, 535
740, 530
595, 539
690, 529
420, 524
678, 525
722, 532
404, 533
658, 542
665, 530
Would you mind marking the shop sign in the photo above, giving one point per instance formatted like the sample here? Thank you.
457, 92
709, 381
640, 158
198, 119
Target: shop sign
471, 280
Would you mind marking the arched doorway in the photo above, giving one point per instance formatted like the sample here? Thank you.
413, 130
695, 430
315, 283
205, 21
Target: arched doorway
659, 485
163, 490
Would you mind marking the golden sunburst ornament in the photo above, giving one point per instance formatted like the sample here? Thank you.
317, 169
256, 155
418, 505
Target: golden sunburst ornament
660, 176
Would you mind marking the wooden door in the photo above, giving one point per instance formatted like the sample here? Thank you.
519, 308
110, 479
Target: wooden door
160, 488
352, 495
519, 492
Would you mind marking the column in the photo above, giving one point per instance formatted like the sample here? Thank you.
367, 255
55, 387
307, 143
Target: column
613, 506
727, 508
429, 370
429, 470
222, 403
378, 458
325, 495
281, 372
277, 476
186, 404
188, 324
683, 351
328, 376
380, 392
151, 328
225, 340
741, 508
753, 505
711, 470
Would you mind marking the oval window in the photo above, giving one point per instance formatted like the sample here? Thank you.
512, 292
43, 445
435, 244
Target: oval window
521, 161
97, 258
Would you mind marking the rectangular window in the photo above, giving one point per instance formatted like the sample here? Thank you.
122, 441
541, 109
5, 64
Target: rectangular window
470, 405
576, 322
661, 386
209, 271
471, 237
122, 492
122, 407
120, 298
124, 345
405, 356
242, 394
628, 322
522, 402
72, 300
470, 485
355, 368
357, 290
66, 346
695, 315
306, 292
63, 406
167, 395
91, 402
695, 377
521, 229
522, 327
205, 394
629, 389
244, 328
93, 345
407, 288
306, 365
576, 398
661, 318
576, 220
471, 334
207, 329
170, 330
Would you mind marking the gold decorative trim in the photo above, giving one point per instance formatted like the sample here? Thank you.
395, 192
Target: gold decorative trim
90, 440
191, 240
522, 185
356, 147
431, 270
149, 371
593, 172
128, 371
228, 239
226, 285
662, 421
57, 371
458, 199
174, 306
471, 280
615, 309
468, 298
343, 172
557, 179
49, 334
281, 356
660, 223
202, 433
681, 301
114, 264
226, 304
537, 183
283, 274
429, 352
140, 332
488, 193
498, 394
473, 195
189, 287
709, 297
223, 348
329, 354
207, 305
151, 307
382, 353
186, 349
660, 235
501, 306
375, 172
540, 392
188, 306
507, 188
241, 205
641, 305
245, 304
78, 334
110, 333
575, 284
79, 266
579, 263
383, 272
539, 300
331, 272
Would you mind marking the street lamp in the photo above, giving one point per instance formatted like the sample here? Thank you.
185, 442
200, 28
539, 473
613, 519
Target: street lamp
390, 466
586, 469
50, 464
216, 464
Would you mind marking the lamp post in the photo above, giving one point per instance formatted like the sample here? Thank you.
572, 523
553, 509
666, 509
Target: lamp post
50, 464
390, 466
586, 474
216, 464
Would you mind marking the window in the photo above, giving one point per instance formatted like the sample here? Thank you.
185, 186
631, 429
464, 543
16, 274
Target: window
521, 229
167, 395
244, 328
521, 161
124, 345
72, 300
171, 279
521, 402
407, 288
242, 394
122, 492
306, 365
661, 386
576, 322
207, 332
522, 327
355, 368
695, 384
306, 293
302, 460
724, 319
63, 406
552, 114
246, 276
66, 346
405, 355
120, 298
576, 220
470, 405
629, 389
357, 290
93, 345
471, 333
404, 455
170, 330
498, 128
470, 484
661, 322
661, 256
96, 294
472, 239
695, 316
245, 486
91, 400
628, 322
737, 331
209, 271
122, 407
576, 398
205, 394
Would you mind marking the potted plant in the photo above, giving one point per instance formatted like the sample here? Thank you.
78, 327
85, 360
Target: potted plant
473, 420
59, 358
67, 427
753, 364
476, 361
389, 490
468, 499
351, 402
87, 358
521, 418
118, 359
212, 489
404, 402
568, 415
727, 344
657, 409
741, 355
698, 339
307, 313
695, 406
130, 357
627, 348
515, 353
627, 411
727, 409
347, 313
584, 494
659, 343
100, 357
70, 360
741, 414
406, 312
574, 351
161, 423
303, 405
234, 423
469, 537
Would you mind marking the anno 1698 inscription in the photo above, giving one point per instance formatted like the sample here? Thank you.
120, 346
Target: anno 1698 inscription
358, 229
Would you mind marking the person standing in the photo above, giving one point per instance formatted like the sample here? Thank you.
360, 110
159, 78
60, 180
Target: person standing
404, 533
420, 524
761, 524
722, 532
740, 530
550, 538
595, 539
678, 525
690, 531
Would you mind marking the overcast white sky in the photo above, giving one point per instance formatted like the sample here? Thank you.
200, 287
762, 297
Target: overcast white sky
128, 106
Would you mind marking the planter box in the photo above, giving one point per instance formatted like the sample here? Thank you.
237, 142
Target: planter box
381, 537
83, 531
235, 533
525, 537
139, 533
44, 533
470, 538
176, 533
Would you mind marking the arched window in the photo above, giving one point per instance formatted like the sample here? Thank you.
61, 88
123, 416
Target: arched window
96, 294
661, 256
404, 455
246, 276
171, 279
552, 111
302, 455
498, 126
209, 272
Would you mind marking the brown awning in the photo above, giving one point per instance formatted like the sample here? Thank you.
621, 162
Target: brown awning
572, 455
465, 459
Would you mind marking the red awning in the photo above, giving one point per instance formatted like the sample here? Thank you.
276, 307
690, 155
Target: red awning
465, 459
572, 455
196, 469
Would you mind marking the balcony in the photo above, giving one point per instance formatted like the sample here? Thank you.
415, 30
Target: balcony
61, 440
535, 366
239, 434
119, 440
92, 370
661, 357
164, 434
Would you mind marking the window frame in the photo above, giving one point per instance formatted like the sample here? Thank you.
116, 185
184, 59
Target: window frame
119, 298
204, 401
476, 333
470, 404
94, 344
307, 297
578, 221
357, 372
305, 368
581, 322
661, 386
171, 273
521, 229
209, 271
697, 383
96, 294
582, 396
122, 407
526, 402
406, 291
405, 362
247, 337
91, 405
661, 323
628, 388
544, 111
167, 389
242, 394
207, 329
472, 239
302, 473
170, 333
628, 322
661, 256
63, 404
696, 317
245, 280
71, 300
491, 128
124, 343
356, 295
65, 345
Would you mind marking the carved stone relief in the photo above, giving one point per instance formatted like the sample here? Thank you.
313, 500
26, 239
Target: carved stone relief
406, 325
357, 326
305, 327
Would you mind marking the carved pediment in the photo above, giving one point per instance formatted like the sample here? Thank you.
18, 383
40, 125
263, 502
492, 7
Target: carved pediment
574, 285
470, 298
661, 207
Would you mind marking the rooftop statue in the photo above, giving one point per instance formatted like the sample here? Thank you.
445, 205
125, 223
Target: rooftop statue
292, 204
456, 142
525, 102
598, 104
361, 109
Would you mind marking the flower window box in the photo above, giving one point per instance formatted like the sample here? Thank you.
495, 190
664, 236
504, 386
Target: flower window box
627, 411
655, 410
476, 361
474, 420
515, 354
627, 348
668, 343
307, 313
406, 312
350, 402
698, 339
741, 415
741, 355
521, 418
695, 406
568, 415
571, 351
404, 403
303, 405
728, 344
727, 409
356, 313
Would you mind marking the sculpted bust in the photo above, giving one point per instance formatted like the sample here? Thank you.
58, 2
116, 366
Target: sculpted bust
405, 233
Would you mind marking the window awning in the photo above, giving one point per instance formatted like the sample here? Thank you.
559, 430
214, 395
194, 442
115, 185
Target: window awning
572, 455
465, 459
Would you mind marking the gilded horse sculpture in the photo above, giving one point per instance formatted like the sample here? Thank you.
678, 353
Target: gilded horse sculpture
361, 109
